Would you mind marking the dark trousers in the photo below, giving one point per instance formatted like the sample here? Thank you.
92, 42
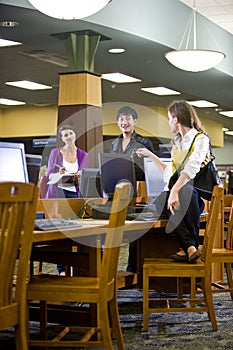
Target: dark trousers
132, 258
186, 221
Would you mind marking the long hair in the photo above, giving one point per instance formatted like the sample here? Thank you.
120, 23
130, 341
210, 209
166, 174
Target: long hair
186, 115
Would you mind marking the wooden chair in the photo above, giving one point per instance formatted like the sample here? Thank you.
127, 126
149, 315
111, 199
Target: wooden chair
201, 270
227, 209
100, 290
225, 256
17, 216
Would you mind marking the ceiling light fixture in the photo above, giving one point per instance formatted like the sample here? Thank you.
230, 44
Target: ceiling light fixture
119, 78
194, 60
229, 133
69, 9
228, 114
116, 50
9, 24
30, 85
6, 101
202, 104
5, 43
161, 91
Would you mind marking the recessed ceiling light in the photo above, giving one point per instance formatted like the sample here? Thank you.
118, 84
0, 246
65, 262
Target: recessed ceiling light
229, 133
202, 104
5, 43
5, 101
160, 91
225, 129
116, 50
9, 24
30, 85
228, 114
120, 78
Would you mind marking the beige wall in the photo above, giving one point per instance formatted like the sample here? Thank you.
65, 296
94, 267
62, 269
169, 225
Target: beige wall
152, 121
28, 121
39, 121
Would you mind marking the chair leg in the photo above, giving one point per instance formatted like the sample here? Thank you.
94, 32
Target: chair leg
209, 303
180, 285
145, 300
21, 329
105, 326
193, 291
115, 319
229, 278
43, 321
21, 338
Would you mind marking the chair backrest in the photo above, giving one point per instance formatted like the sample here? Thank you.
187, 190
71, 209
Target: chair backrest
114, 233
229, 237
212, 225
17, 215
228, 198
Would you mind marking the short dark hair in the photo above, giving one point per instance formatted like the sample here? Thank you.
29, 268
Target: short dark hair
127, 110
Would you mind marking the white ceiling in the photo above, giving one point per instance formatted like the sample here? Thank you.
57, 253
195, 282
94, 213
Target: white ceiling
218, 11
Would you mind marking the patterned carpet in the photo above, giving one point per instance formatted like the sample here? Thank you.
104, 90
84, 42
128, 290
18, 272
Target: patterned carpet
166, 331
176, 330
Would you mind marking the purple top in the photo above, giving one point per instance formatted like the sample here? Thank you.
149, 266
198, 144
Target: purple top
56, 157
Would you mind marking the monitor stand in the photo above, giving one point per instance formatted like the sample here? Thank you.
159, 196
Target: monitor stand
102, 211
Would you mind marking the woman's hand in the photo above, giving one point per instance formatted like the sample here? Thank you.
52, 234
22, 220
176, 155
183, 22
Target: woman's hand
173, 201
143, 152
76, 178
62, 170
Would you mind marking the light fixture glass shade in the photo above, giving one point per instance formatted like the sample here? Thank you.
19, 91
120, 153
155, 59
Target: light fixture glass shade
194, 60
69, 9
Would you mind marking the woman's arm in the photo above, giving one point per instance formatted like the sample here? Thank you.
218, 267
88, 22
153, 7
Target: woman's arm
197, 157
144, 152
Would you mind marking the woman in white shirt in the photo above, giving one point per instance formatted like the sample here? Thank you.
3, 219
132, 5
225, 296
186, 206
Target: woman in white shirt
182, 203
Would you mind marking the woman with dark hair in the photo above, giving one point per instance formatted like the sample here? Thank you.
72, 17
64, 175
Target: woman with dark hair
68, 159
182, 203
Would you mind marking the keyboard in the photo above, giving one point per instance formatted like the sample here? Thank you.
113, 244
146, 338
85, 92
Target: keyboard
54, 224
144, 216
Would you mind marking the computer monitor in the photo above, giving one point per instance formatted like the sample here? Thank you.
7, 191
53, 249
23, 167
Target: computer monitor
115, 168
154, 177
13, 162
33, 162
165, 150
90, 183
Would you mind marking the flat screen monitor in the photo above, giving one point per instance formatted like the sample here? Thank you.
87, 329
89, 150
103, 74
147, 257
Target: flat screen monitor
154, 177
90, 183
165, 150
33, 162
13, 162
115, 168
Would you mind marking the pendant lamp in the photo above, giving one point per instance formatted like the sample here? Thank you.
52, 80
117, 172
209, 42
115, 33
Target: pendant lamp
194, 60
69, 9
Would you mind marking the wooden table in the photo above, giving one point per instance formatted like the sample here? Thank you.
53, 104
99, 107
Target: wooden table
151, 241
150, 236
